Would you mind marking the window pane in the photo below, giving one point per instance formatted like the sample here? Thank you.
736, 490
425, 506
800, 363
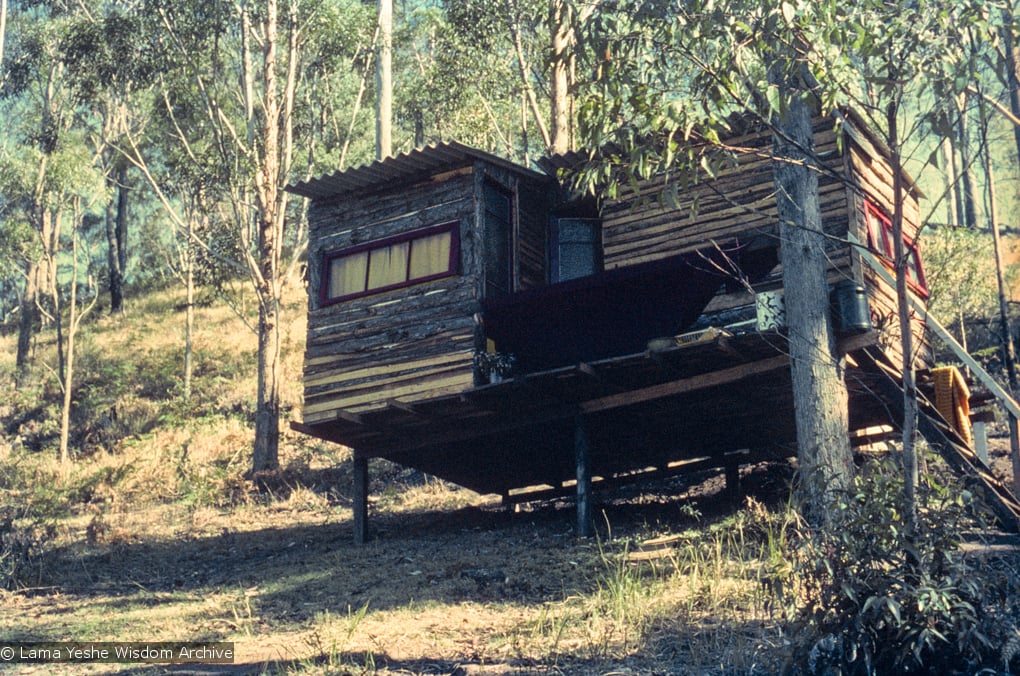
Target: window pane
576, 231
388, 266
576, 260
575, 251
430, 255
347, 274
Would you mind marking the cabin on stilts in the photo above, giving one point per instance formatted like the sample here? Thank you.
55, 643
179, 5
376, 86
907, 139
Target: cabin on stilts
470, 318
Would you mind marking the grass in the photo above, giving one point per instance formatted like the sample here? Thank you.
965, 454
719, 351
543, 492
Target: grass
155, 534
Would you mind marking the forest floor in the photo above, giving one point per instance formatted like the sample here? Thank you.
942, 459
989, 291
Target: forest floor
466, 589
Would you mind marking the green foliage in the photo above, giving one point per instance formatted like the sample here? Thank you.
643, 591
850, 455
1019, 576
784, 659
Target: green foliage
872, 598
962, 282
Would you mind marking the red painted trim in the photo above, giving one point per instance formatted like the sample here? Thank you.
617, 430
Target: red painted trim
885, 247
451, 268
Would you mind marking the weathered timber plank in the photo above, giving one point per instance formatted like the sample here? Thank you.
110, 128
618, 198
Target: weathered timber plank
317, 392
333, 376
427, 386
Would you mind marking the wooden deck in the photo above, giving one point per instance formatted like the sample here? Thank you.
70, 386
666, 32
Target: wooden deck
646, 414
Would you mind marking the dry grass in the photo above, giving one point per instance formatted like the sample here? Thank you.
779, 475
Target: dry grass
154, 534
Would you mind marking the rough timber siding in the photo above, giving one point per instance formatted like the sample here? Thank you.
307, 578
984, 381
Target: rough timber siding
405, 344
738, 204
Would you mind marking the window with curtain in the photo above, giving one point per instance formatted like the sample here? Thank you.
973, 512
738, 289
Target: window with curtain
391, 263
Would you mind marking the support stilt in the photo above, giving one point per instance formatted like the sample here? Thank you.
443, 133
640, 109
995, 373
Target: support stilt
360, 499
582, 453
732, 479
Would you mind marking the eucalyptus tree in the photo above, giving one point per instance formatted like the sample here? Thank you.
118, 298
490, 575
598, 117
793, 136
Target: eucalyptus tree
248, 122
35, 95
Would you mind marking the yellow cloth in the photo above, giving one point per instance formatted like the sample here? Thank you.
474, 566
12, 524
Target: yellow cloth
952, 399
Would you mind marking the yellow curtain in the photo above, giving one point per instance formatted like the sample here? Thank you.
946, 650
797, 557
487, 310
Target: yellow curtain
388, 266
430, 255
347, 275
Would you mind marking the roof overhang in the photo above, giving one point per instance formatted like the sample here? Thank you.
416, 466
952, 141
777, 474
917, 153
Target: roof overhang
411, 167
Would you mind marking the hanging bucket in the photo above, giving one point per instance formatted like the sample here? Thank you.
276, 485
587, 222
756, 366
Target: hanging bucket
850, 311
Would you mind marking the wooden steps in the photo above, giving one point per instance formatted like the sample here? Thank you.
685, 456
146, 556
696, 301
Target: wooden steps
949, 444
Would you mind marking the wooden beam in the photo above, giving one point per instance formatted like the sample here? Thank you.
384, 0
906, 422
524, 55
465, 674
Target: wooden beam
360, 499
582, 455
685, 385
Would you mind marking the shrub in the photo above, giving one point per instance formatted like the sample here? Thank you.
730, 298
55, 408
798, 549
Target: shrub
871, 598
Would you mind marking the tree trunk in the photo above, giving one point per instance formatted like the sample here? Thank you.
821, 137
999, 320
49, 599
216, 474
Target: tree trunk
189, 309
267, 184
819, 390
910, 409
384, 81
1012, 77
529, 92
68, 375
28, 323
968, 192
3, 35
559, 81
116, 237
1008, 349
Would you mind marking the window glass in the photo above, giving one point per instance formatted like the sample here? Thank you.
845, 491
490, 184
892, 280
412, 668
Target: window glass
573, 248
347, 274
391, 263
430, 255
880, 239
387, 266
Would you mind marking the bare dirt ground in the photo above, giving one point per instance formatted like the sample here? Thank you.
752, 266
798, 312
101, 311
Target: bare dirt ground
470, 590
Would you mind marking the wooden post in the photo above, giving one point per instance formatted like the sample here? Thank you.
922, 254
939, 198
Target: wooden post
1014, 451
732, 472
582, 453
360, 499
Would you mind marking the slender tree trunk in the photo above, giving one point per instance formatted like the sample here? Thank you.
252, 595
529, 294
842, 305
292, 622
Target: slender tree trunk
819, 391
68, 375
910, 410
267, 415
968, 206
116, 237
28, 322
3, 35
1012, 77
951, 184
384, 81
1008, 348
559, 82
189, 308
529, 92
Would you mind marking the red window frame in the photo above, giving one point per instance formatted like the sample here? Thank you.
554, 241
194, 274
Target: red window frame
880, 240
451, 270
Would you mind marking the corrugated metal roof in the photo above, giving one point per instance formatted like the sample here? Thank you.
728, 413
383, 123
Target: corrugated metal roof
417, 164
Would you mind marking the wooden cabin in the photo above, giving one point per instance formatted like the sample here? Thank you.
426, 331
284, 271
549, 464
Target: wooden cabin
468, 319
